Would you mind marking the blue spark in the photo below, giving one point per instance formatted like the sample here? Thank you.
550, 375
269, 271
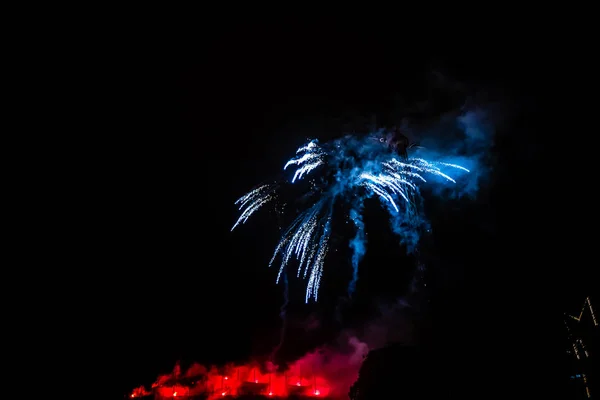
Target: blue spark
362, 168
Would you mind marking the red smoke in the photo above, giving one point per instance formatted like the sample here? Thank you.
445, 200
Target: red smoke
140, 392
324, 373
327, 372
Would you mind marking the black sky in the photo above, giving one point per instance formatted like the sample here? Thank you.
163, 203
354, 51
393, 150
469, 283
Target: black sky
197, 117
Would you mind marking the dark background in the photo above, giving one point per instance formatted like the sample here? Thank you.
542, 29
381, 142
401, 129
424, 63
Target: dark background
197, 116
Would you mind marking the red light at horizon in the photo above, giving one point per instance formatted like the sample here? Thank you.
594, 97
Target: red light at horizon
239, 381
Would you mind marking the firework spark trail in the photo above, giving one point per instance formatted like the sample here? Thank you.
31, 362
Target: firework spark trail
253, 201
362, 169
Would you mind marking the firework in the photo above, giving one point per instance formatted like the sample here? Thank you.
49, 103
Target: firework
348, 170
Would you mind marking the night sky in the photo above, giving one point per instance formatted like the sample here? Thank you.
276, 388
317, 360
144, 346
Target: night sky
198, 117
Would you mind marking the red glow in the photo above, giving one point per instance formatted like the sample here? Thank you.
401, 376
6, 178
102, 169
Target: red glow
139, 392
245, 379
323, 374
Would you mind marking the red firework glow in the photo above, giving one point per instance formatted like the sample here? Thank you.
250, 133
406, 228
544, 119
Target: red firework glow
322, 374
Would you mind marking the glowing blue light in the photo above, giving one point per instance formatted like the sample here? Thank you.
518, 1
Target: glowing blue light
362, 168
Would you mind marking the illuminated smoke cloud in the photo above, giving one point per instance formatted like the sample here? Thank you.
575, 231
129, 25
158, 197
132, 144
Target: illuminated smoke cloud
326, 372
348, 171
